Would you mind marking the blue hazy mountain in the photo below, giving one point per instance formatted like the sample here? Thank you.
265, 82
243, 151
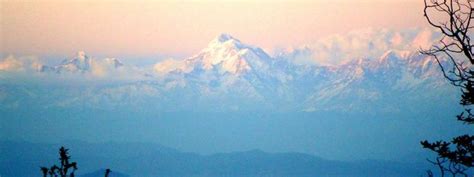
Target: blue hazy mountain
100, 173
380, 100
22, 159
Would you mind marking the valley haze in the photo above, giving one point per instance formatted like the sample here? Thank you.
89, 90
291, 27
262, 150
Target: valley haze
231, 90
280, 90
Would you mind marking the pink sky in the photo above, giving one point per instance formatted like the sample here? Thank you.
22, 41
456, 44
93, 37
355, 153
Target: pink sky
183, 28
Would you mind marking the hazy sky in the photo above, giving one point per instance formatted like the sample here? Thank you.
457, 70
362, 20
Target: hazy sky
183, 28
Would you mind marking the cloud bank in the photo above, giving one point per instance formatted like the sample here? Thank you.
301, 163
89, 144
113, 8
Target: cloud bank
369, 43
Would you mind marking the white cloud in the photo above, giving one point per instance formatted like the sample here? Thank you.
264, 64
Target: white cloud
112, 69
170, 65
23, 63
30, 67
99, 69
10, 63
106, 67
367, 43
424, 39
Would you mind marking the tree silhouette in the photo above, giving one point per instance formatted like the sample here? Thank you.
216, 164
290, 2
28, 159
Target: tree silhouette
66, 169
454, 55
107, 172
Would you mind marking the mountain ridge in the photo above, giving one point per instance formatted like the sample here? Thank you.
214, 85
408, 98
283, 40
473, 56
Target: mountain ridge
229, 75
118, 157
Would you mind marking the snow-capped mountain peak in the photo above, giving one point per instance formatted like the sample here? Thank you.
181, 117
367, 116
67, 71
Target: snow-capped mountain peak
225, 37
81, 63
228, 54
81, 55
224, 42
114, 62
229, 74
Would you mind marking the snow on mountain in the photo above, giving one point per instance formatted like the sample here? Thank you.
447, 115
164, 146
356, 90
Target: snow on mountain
229, 67
81, 63
224, 54
382, 67
227, 70
381, 83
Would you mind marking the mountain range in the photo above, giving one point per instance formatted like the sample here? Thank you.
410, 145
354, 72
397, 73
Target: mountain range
229, 75
146, 160
371, 92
